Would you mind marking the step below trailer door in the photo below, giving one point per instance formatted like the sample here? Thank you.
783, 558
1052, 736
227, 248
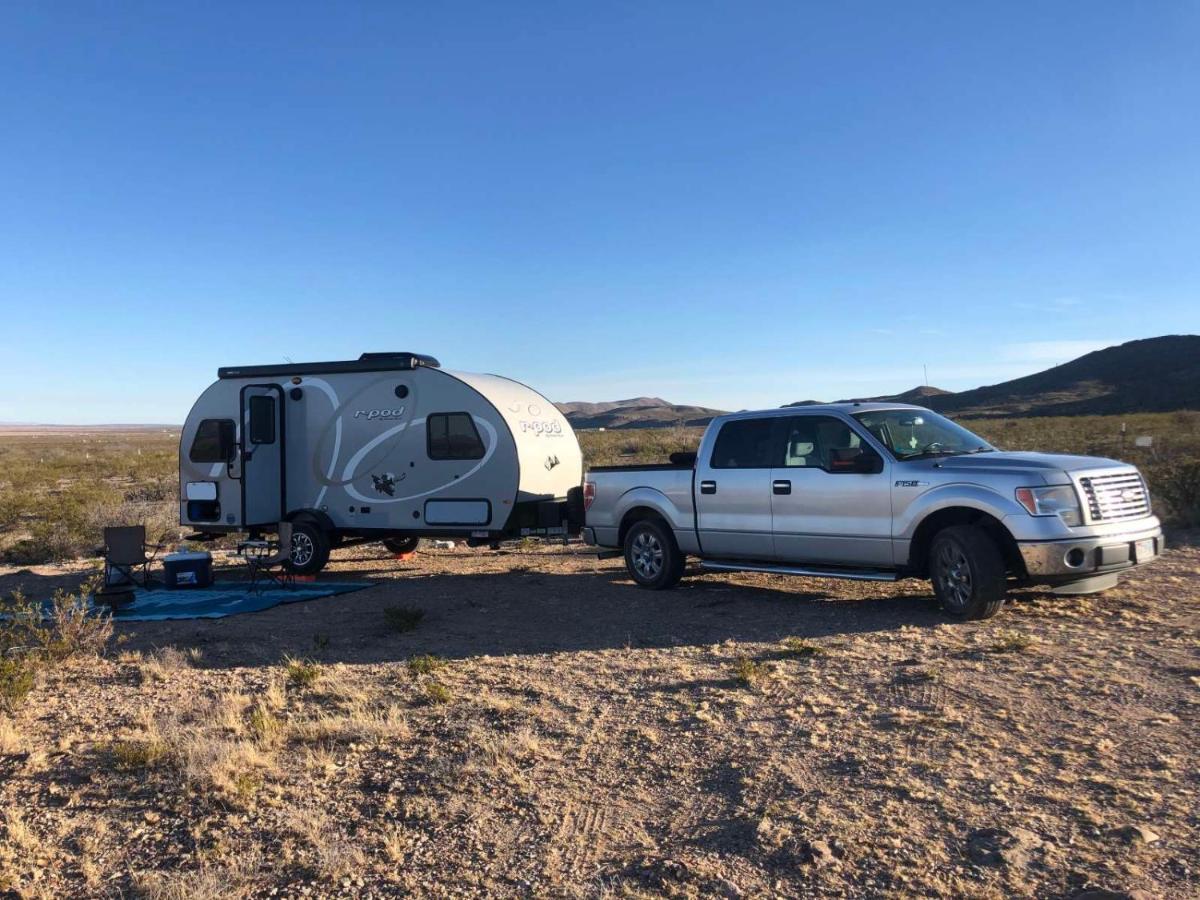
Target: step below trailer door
263, 472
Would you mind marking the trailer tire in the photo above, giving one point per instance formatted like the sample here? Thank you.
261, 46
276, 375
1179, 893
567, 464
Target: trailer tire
310, 547
652, 557
967, 571
400, 545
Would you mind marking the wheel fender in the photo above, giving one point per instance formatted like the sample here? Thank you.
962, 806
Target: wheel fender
321, 518
968, 496
649, 498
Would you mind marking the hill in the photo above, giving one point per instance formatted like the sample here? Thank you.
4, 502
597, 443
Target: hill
1159, 374
1153, 375
638, 412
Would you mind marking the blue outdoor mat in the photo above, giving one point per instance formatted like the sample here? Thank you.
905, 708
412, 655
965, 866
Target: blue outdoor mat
224, 598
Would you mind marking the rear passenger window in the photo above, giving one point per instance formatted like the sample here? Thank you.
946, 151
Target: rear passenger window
453, 436
745, 444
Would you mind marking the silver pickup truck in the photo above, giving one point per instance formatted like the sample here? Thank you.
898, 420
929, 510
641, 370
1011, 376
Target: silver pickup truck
877, 492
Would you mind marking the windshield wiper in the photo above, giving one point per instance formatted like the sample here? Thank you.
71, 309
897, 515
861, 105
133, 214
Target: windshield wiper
927, 453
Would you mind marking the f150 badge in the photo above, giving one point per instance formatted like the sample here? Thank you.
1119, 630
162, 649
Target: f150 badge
911, 483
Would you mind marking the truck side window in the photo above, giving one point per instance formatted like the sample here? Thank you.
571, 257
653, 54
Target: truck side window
746, 444
824, 442
214, 441
262, 419
452, 436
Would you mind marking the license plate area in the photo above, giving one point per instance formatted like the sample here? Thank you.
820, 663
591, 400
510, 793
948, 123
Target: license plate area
1143, 551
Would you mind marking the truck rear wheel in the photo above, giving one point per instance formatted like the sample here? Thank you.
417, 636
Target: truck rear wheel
967, 571
399, 545
652, 557
310, 547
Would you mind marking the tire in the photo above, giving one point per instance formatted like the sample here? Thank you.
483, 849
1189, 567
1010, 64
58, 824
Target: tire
967, 571
400, 545
652, 557
310, 547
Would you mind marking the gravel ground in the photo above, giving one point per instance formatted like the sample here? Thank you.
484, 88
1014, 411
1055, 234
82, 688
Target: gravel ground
546, 729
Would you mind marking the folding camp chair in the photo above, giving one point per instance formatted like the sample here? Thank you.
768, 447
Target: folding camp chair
274, 566
125, 552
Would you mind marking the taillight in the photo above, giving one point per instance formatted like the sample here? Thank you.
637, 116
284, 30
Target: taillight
589, 494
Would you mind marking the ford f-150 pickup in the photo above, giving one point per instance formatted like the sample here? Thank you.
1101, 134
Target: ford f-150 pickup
877, 492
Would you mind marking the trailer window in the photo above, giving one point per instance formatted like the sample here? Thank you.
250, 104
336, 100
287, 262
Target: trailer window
746, 444
214, 441
262, 419
453, 436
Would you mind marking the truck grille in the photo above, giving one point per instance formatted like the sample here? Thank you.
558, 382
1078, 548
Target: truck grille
1122, 495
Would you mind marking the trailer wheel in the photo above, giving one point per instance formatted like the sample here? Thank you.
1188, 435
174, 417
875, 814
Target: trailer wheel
400, 545
652, 557
310, 547
967, 570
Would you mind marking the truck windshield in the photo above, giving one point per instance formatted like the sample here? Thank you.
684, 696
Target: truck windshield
914, 433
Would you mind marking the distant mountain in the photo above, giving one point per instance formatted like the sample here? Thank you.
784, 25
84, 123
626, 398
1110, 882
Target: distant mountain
638, 412
1153, 375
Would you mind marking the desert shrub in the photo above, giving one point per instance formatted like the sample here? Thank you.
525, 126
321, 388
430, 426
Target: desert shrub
795, 646
302, 672
131, 756
425, 664
1175, 489
437, 693
403, 618
748, 672
32, 637
16, 680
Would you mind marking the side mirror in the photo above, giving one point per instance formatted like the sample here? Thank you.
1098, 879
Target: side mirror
868, 463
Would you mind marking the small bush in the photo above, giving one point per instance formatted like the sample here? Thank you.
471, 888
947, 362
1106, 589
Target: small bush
748, 672
403, 618
131, 756
265, 726
437, 693
425, 664
1175, 490
32, 637
302, 672
16, 681
799, 647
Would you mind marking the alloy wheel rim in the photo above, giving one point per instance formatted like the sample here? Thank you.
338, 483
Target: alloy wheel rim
647, 555
302, 549
954, 576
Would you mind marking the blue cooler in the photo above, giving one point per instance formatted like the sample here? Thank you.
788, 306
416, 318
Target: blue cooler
187, 570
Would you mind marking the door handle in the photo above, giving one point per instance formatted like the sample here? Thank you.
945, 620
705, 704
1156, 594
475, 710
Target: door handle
708, 487
781, 486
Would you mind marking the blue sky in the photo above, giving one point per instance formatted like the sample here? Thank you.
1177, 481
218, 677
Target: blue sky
732, 205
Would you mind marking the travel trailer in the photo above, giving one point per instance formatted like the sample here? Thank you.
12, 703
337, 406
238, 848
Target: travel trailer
388, 447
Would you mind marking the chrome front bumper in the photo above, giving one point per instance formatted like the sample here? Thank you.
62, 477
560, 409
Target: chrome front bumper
1092, 555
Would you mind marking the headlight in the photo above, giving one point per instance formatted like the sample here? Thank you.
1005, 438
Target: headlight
1059, 500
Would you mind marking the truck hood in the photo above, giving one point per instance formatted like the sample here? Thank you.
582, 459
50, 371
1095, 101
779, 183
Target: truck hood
1013, 461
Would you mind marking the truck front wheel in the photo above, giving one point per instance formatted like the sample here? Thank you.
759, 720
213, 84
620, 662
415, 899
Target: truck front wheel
967, 571
651, 555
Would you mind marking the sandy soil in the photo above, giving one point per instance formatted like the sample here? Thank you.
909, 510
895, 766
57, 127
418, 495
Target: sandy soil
576, 736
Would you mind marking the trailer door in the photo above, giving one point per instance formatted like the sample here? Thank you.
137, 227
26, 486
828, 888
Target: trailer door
263, 471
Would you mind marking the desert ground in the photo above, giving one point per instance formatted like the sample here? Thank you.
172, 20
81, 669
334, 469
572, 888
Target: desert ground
546, 729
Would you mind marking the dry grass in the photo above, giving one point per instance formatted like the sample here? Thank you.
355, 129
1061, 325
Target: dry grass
11, 741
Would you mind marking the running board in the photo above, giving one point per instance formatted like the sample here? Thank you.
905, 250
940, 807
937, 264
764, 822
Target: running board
810, 571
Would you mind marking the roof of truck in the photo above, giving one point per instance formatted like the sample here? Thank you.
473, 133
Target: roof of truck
847, 408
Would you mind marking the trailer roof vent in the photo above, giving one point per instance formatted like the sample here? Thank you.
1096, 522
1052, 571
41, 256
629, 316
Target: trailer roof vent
414, 359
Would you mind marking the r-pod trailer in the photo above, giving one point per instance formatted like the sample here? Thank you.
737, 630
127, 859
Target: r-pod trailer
388, 447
